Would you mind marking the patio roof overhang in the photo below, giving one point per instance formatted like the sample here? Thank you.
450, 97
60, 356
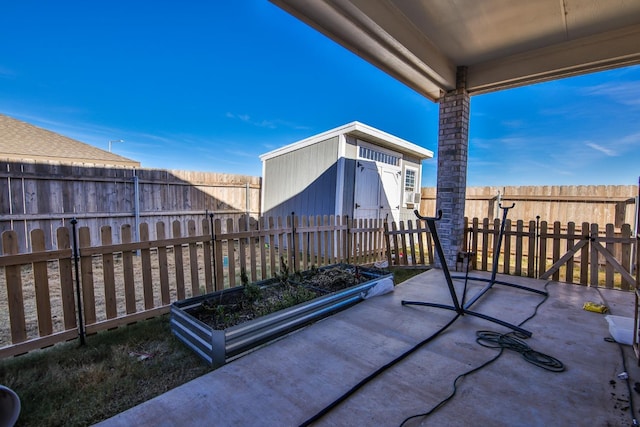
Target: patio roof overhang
503, 43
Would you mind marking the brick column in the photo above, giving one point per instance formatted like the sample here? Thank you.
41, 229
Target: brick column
453, 142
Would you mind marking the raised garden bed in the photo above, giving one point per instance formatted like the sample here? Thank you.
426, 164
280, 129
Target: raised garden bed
223, 325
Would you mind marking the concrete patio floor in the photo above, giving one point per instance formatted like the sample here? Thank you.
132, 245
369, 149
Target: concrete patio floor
289, 381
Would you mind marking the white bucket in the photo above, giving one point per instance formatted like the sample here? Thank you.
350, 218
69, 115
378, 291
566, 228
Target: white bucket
621, 328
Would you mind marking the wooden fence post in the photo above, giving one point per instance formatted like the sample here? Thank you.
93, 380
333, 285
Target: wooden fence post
108, 276
506, 267
625, 254
319, 240
14, 289
335, 239
584, 255
414, 259
252, 248
231, 255
219, 264
66, 280
474, 243
163, 264
609, 246
178, 260
145, 259
495, 233
307, 241
571, 230
403, 243
242, 246
519, 252
348, 243
394, 245
387, 243
556, 249
370, 248
364, 241
127, 269
263, 252
294, 243
345, 239
193, 259
485, 244
272, 247
207, 247
421, 234
542, 249
327, 239
533, 255
41, 279
594, 256
86, 268
378, 253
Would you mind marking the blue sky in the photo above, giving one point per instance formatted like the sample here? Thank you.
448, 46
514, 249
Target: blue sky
210, 86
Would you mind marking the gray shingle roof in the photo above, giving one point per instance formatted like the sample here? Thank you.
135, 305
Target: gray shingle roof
21, 141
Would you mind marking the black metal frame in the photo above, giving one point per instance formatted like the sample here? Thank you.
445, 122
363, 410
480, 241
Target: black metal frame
494, 268
463, 308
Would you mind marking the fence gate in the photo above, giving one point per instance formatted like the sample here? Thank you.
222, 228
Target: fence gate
592, 247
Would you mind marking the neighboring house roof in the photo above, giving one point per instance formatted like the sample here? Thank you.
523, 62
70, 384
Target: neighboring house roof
21, 141
358, 130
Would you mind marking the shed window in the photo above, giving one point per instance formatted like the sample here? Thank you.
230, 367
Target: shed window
410, 181
379, 156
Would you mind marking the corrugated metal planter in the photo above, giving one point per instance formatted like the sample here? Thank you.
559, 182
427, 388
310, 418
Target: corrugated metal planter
219, 346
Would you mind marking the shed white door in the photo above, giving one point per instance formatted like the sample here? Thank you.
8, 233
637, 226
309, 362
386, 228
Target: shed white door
377, 191
390, 193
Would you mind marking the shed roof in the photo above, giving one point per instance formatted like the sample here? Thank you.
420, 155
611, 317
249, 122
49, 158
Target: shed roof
358, 130
20, 141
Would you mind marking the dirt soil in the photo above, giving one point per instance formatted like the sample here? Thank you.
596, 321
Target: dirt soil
232, 308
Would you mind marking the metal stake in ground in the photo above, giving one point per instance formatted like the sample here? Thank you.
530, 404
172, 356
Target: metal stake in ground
76, 259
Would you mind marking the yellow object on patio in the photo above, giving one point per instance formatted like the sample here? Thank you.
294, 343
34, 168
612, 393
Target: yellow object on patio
595, 307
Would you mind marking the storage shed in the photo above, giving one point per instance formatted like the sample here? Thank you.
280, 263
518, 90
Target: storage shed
353, 170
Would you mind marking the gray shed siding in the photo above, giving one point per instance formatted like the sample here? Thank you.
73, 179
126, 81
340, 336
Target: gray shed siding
318, 175
348, 188
303, 181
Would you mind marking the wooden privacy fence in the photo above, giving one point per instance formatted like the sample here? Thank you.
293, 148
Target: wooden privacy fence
537, 249
599, 204
586, 256
47, 196
42, 292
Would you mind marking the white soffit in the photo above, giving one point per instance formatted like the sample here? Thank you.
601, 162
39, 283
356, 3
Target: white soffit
503, 43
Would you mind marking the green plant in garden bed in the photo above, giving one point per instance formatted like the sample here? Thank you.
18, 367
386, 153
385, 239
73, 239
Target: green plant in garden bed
286, 290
